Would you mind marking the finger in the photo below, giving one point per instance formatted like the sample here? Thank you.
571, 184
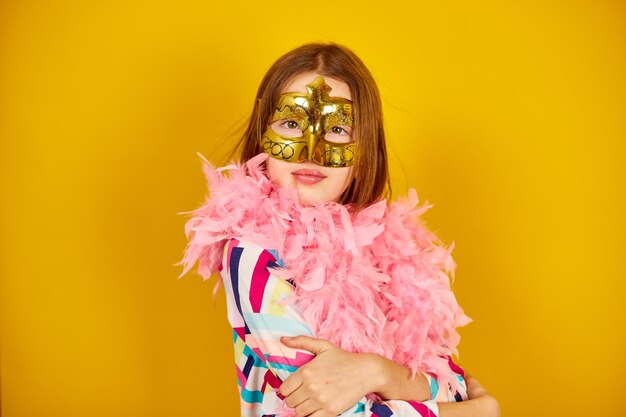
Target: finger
297, 397
311, 344
289, 385
322, 413
307, 408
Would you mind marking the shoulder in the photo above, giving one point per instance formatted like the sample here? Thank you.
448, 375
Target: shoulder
249, 274
243, 254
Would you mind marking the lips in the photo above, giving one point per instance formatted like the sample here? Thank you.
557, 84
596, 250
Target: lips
308, 176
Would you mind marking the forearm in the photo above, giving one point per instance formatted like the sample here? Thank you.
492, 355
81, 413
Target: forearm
396, 385
396, 382
485, 406
479, 404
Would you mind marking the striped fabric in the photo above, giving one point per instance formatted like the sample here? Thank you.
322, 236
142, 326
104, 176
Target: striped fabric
258, 320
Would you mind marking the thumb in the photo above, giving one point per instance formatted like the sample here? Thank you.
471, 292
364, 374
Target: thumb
311, 344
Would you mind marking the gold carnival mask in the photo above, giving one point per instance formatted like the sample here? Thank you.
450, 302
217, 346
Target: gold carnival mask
315, 113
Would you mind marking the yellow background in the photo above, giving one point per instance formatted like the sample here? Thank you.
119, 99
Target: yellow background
508, 116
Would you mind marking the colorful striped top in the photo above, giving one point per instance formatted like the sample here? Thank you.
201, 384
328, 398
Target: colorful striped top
258, 321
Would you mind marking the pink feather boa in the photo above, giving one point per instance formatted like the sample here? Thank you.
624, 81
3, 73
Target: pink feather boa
375, 281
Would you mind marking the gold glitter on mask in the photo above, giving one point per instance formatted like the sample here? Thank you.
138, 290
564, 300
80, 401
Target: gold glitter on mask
315, 113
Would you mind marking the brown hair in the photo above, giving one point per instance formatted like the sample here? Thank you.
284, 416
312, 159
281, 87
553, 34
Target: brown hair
370, 173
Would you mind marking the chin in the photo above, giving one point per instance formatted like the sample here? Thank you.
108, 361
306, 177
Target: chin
308, 200
305, 201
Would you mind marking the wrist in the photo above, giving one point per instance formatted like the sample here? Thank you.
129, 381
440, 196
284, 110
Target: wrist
393, 381
380, 381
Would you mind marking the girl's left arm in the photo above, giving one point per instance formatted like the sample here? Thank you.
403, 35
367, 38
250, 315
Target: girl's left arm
255, 293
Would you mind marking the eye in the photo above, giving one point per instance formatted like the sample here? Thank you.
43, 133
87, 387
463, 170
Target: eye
290, 124
339, 134
287, 128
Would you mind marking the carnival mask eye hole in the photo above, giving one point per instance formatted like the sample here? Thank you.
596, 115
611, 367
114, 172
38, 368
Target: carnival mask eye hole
287, 128
339, 134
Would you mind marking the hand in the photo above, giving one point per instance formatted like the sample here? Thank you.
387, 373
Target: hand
476, 391
480, 403
330, 383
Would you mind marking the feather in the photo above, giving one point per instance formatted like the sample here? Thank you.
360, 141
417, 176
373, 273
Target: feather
373, 281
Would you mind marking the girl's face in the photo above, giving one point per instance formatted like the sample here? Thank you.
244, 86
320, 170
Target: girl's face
314, 183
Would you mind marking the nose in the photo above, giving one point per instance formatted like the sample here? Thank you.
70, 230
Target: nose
315, 135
